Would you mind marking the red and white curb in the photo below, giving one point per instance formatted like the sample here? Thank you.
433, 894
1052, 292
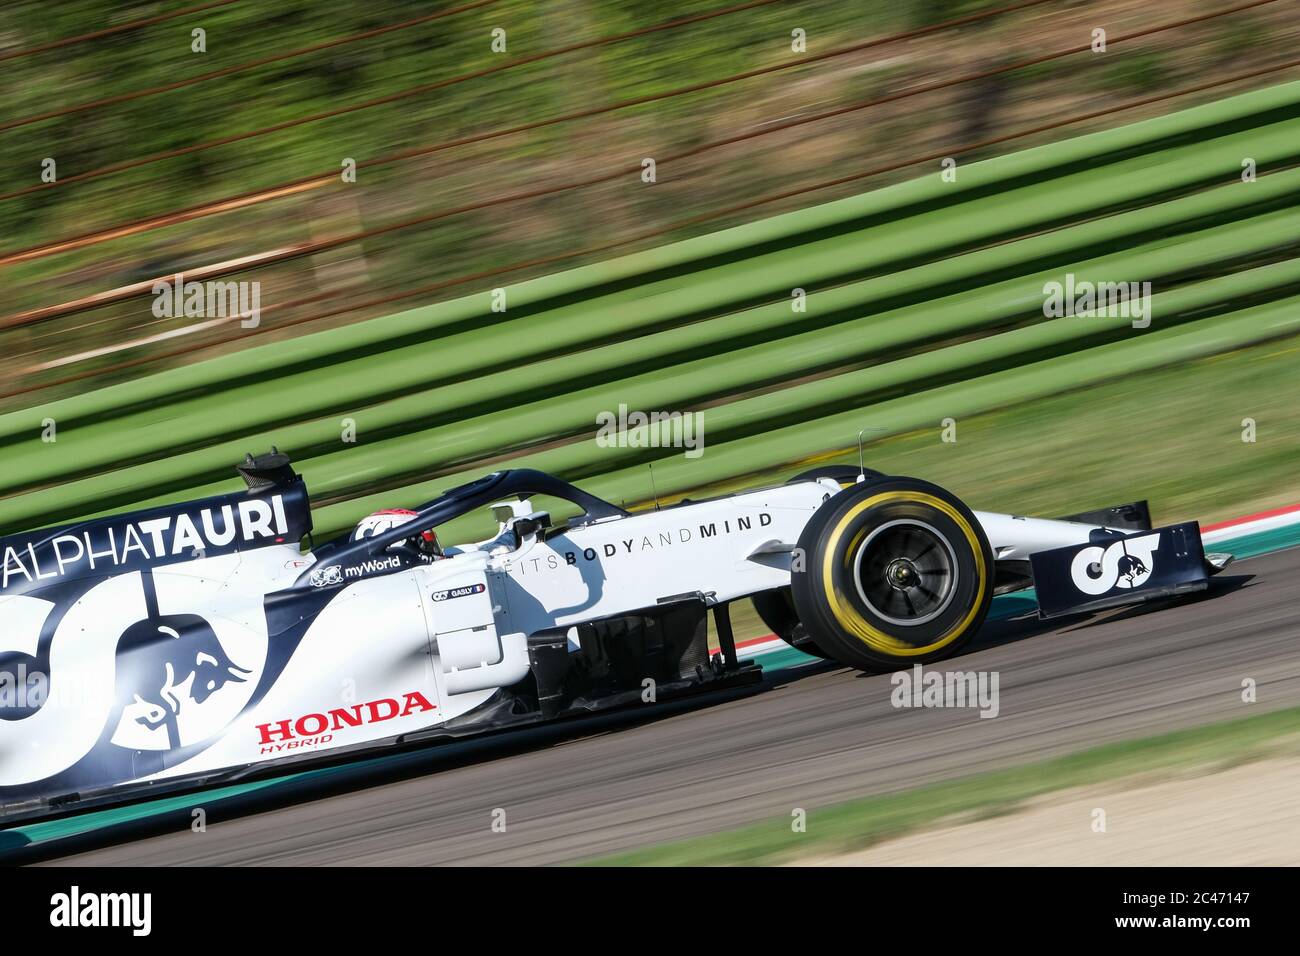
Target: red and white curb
1210, 533
759, 645
1251, 524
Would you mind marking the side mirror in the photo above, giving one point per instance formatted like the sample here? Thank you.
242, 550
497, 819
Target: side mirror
507, 511
531, 524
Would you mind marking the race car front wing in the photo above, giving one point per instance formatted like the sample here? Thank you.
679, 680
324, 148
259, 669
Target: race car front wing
1115, 569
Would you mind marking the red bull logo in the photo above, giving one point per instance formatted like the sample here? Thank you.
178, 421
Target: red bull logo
169, 666
169, 661
1127, 563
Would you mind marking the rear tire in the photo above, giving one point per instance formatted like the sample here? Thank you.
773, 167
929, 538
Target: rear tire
896, 571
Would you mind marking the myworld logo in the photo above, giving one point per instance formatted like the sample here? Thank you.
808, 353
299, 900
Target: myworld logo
372, 567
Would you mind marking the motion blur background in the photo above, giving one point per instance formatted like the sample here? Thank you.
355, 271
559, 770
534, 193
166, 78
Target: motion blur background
126, 225
227, 162
479, 169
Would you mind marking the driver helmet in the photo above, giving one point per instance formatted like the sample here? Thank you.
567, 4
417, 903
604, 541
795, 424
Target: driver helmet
386, 520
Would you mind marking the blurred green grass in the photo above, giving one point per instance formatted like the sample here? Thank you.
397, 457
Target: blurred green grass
457, 45
1173, 436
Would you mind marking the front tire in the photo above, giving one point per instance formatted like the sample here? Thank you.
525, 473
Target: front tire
896, 571
776, 608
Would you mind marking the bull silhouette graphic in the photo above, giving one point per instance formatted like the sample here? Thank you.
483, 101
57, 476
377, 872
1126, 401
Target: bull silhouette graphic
1131, 568
156, 658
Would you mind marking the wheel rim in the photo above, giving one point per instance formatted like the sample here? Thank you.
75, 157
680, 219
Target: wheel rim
906, 572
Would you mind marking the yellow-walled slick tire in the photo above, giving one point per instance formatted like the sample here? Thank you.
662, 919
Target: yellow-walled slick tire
892, 572
776, 608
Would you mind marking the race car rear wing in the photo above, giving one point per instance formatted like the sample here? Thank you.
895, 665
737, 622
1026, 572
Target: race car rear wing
275, 510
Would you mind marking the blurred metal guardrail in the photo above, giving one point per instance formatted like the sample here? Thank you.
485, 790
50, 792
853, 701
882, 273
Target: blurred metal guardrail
924, 300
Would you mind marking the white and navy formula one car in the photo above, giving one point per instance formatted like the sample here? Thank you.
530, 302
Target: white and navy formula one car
199, 642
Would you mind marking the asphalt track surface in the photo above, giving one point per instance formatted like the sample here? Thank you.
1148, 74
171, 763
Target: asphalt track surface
807, 737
